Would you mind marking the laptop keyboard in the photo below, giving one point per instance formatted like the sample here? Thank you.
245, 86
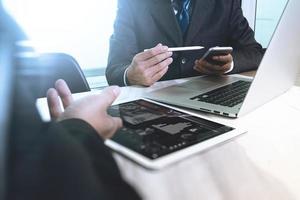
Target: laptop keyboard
229, 95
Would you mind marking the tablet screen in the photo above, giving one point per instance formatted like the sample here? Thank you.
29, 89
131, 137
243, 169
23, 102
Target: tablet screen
154, 130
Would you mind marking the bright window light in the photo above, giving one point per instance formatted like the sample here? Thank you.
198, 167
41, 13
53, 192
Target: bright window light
80, 28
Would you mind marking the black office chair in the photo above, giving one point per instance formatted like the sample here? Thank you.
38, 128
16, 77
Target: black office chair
41, 71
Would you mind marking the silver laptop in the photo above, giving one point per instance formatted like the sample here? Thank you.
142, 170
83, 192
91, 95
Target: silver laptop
235, 95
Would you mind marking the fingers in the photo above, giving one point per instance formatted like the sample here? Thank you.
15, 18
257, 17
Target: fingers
92, 109
159, 66
201, 66
109, 95
139, 72
64, 92
115, 124
224, 59
205, 67
158, 49
155, 73
158, 75
159, 58
53, 103
97, 115
156, 68
118, 122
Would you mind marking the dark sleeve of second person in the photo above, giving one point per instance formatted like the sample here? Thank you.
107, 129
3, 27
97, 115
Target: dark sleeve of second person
66, 160
103, 166
84, 166
247, 52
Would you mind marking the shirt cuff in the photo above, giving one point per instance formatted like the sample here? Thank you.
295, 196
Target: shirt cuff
125, 77
231, 68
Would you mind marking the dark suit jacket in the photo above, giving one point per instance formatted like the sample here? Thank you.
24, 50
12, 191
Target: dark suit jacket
142, 24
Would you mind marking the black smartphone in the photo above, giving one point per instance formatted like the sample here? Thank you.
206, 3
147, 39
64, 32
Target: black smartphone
216, 51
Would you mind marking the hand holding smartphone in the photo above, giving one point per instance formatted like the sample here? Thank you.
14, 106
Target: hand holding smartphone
216, 51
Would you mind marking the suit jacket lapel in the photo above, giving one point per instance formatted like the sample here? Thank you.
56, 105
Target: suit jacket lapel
164, 16
201, 9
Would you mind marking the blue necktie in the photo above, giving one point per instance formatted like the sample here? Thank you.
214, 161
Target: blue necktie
182, 15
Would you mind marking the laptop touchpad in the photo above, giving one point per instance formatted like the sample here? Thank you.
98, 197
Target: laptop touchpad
203, 83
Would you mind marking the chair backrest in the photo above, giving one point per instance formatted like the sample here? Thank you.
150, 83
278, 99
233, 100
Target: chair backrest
41, 71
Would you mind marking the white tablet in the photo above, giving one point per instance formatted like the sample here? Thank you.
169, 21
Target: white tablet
155, 135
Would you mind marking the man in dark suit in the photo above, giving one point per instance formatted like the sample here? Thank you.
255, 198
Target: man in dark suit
65, 158
147, 24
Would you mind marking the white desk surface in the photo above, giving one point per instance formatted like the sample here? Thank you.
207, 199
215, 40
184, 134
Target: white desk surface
262, 164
